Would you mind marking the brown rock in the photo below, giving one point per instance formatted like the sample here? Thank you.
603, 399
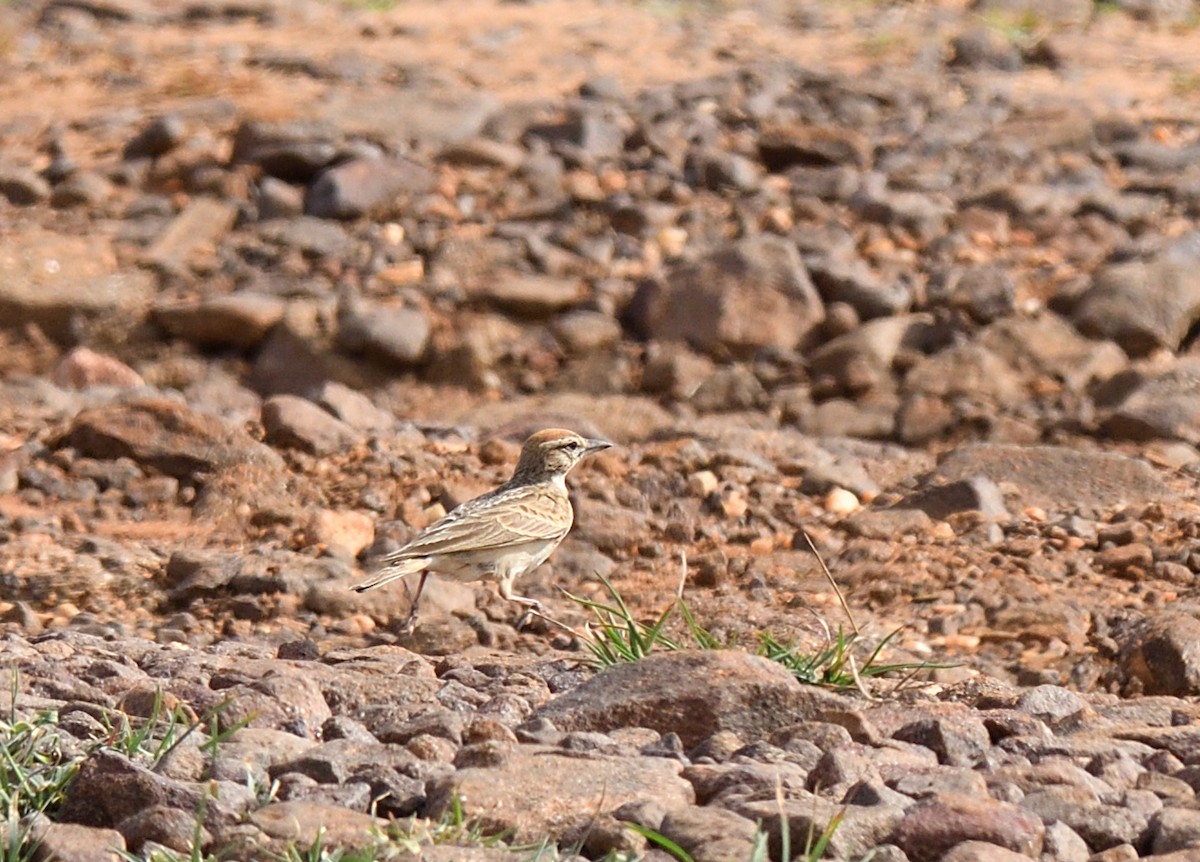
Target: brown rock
234, 320
194, 233
55, 281
83, 367
304, 823
932, 828
70, 842
692, 694
1163, 655
559, 793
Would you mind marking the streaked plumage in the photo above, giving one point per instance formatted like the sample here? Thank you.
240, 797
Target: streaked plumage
504, 533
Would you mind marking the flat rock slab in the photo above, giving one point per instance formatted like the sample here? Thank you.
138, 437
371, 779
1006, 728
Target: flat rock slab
302, 823
167, 436
694, 695
1058, 479
53, 280
559, 792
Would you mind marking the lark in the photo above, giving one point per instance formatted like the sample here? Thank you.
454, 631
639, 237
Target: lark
502, 534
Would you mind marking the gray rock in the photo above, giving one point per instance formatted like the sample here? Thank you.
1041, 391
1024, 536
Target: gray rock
958, 740
747, 295
862, 360
709, 834
1175, 829
365, 185
293, 151
1162, 655
782, 146
972, 495
861, 829
1143, 305
170, 827
1057, 478
1063, 844
1159, 403
353, 407
532, 296
391, 335
297, 423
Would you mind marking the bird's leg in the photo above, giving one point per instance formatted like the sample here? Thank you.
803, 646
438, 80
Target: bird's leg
410, 623
533, 606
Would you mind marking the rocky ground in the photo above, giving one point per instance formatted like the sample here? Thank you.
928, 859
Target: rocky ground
282, 282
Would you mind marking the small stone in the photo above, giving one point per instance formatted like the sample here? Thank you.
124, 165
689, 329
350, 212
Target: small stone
83, 367
839, 501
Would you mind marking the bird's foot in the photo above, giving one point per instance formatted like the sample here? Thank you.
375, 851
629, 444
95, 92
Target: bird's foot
408, 626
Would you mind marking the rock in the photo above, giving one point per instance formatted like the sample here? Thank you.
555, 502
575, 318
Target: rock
1143, 305
850, 282
297, 423
1162, 655
783, 146
354, 408
23, 186
191, 573
171, 827
580, 332
345, 534
304, 824
984, 48
1175, 829
1057, 478
1101, 825
672, 693
191, 236
532, 296
981, 851
560, 792
166, 436
395, 336
960, 740
862, 360
418, 115
741, 297
1160, 403
972, 495
81, 188
240, 319
109, 788
366, 185
67, 284
293, 151
861, 828
1063, 843
70, 842
708, 834
157, 138
82, 367
930, 829
484, 153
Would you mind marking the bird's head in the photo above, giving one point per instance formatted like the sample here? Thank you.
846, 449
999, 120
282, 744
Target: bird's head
554, 451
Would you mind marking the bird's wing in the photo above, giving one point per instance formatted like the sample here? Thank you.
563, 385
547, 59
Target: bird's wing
504, 518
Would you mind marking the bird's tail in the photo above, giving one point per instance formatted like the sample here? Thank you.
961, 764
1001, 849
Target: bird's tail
391, 572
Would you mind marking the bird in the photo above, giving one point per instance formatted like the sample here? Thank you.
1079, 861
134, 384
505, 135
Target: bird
500, 535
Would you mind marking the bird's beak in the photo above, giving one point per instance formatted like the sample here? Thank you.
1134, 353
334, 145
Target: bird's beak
596, 446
